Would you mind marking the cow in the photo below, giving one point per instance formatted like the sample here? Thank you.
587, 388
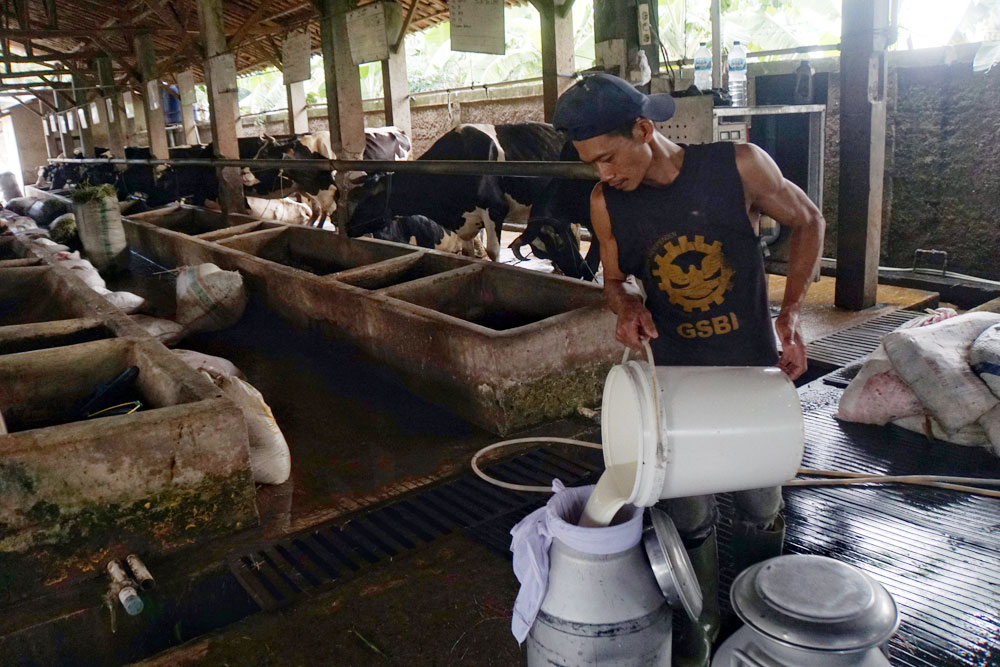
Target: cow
381, 143
552, 229
420, 231
461, 204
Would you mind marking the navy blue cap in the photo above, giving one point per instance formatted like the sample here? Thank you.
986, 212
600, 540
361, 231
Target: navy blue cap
601, 103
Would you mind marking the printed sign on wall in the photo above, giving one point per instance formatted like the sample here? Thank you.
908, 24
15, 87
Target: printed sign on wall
185, 86
82, 112
477, 26
153, 95
367, 34
296, 49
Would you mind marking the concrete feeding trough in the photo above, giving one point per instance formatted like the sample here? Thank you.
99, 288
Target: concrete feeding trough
500, 346
73, 490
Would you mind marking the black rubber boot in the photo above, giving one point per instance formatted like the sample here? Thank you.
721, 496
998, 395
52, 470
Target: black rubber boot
692, 644
751, 545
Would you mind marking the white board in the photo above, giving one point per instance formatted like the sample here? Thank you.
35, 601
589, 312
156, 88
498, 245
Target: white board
366, 31
45, 126
185, 86
296, 49
62, 125
82, 112
477, 26
69, 120
109, 104
52, 123
153, 95
95, 116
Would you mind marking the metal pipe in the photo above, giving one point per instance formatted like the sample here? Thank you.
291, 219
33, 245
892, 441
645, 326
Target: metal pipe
572, 170
140, 572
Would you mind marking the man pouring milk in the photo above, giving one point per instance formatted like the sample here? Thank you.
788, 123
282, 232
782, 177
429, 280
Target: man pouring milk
682, 220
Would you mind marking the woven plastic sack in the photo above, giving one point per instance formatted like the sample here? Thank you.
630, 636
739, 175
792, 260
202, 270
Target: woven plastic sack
533, 535
127, 302
208, 298
82, 268
216, 367
20, 205
934, 362
99, 225
270, 459
63, 230
167, 332
984, 357
877, 395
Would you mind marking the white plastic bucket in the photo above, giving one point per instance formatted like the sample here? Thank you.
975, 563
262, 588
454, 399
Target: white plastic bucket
723, 428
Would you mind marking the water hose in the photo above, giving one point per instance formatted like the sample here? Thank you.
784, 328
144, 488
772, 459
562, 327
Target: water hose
826, 477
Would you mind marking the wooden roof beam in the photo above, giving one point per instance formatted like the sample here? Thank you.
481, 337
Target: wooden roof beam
69, 33
251, 21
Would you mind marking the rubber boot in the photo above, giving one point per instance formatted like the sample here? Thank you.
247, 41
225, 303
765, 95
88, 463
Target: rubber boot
692, 645
751, 545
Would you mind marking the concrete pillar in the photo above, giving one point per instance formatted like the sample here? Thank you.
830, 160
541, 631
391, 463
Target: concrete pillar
616, 35
220, 79
145, 56
298, 117
863, 74
716, 13
557, 52
396, 90
343, 83
82, 97
114, 120
185, 87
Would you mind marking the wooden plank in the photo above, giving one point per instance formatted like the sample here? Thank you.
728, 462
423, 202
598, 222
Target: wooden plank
557, 54
251, 21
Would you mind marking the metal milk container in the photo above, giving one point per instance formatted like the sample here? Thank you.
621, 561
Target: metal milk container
613, 608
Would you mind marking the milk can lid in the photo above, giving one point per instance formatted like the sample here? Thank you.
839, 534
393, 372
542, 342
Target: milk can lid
671, 565
815, 602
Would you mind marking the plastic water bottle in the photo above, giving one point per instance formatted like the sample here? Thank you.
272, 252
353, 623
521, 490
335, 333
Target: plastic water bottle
738, 75
703, 68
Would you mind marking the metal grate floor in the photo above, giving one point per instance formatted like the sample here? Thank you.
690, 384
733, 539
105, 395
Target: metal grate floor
854, 343
936, 551
275, 573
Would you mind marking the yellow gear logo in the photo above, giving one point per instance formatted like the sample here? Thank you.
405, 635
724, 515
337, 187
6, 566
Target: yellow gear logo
703, 284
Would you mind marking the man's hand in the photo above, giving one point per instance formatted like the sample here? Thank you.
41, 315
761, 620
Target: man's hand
635, 324
793, 347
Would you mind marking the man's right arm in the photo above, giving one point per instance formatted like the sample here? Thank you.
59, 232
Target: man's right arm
634, 322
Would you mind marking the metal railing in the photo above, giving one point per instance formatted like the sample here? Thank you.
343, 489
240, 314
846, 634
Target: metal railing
571, 170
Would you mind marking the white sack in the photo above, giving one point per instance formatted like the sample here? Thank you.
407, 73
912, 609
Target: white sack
934, 362
208, 298
216, 367
167, 332
99, 225
984, 357
270, 459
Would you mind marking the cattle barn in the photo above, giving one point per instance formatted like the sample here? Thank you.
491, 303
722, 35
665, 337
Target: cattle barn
298, 338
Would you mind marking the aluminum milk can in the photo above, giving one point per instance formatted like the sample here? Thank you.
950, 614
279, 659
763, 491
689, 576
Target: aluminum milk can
614, 609
808, 611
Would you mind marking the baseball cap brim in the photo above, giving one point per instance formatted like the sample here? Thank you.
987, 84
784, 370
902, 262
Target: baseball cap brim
658, 107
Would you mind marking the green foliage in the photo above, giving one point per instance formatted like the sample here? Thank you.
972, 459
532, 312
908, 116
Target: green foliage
86, 192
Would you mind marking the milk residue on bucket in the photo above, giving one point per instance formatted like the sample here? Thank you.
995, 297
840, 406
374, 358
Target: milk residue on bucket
610, 495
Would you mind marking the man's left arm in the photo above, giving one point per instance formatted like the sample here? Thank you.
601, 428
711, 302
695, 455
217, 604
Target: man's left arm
767, 191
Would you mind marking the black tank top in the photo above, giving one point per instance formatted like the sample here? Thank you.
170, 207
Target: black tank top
692, 245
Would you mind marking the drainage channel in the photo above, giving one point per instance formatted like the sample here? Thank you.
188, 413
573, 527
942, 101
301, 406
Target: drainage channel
276, 573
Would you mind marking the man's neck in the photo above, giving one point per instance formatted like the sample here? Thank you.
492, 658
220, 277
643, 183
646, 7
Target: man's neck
668, 158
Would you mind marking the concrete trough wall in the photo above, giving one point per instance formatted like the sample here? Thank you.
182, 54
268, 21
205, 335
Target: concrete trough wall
500, 346
75, 493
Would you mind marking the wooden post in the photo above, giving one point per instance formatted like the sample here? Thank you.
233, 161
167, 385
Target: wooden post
137, 124
145, 56
82, 98
397, 91
185, 87
343, 83
298, 117
863, 74
62, 120
220, 79
557, 52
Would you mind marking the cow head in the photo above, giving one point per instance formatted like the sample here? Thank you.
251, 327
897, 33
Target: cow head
368, 205
555, 241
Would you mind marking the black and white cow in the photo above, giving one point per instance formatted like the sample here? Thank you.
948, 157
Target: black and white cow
420, 231
553, 227
461, 204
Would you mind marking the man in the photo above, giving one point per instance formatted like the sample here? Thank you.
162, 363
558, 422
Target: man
682, 220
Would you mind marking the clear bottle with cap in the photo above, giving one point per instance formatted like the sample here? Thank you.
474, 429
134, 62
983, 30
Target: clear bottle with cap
804, 83
738, 75
703, 68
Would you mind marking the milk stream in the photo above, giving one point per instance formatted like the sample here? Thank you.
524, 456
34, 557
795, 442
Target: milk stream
610, 495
